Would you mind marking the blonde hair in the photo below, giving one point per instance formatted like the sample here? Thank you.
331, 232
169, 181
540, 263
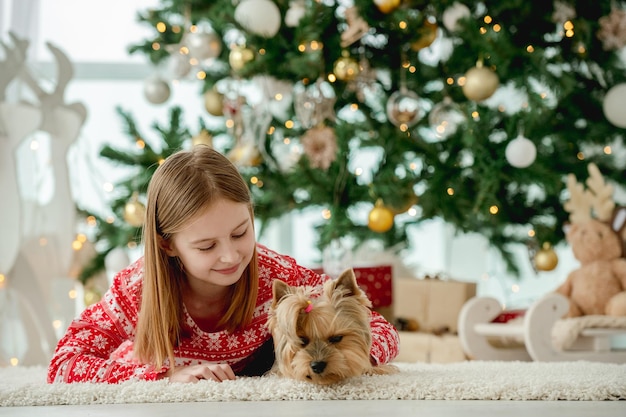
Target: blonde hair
186, 183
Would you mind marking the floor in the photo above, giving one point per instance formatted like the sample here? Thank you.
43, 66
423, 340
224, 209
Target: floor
333, 408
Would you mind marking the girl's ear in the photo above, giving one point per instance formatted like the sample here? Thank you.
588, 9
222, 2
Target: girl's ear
166, 245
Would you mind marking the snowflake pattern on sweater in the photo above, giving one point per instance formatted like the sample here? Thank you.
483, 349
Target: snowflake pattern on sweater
97, 346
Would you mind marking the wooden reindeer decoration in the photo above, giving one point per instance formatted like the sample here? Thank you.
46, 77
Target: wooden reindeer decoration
598, 286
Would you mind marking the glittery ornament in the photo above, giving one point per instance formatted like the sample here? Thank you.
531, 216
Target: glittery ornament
320, 146
612, 31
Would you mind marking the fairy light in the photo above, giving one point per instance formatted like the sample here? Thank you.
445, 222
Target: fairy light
354, 107
57, 324
72, 294
530, 49
14, 361
271, 130
531, 233
139, 143
580, 156
450, 191
110, 219
176, 29
34, 145
254, 180
230, 123
412, 212
332, 78
358, 171
156, 46
77, 245
3, 280
404, 127
493, 209
326, 214
278, 97
402, 25
461, 81
201, 75
450, 80
262, 51
515, 288
487, 19
161, 27
289, 124
483, 30
607, 150
475, 115
569, 29
497, 28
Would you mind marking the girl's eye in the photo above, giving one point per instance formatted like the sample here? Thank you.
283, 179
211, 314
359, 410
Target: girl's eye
239, 236
206, 249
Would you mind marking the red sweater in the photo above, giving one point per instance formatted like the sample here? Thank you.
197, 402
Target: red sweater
97, 346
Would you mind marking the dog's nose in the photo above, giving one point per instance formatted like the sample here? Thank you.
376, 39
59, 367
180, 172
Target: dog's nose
318, 366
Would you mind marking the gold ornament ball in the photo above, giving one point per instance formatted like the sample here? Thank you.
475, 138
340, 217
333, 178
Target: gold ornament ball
134, 213
239, 56
387, 6
202, 138
346, 68
214, 103
380, 218
546, 259
480, 83
428, 34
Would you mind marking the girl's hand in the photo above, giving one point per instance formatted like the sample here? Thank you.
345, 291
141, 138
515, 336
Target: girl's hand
216, 372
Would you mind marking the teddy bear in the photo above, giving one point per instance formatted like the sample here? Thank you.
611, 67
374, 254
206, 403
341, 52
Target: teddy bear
598, 285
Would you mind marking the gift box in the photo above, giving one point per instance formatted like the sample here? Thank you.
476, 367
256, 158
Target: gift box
434, 303
376, 282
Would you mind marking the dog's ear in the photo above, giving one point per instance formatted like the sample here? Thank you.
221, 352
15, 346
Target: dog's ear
347, 280
279, 290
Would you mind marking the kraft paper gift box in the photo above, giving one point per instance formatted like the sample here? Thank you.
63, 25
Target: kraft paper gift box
433, 302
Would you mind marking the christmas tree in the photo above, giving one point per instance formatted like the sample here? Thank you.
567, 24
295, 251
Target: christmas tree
386, 113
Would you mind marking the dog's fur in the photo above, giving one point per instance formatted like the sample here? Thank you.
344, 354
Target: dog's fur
322, 338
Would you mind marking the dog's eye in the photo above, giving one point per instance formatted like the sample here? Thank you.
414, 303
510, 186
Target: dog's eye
304, 340
335, 339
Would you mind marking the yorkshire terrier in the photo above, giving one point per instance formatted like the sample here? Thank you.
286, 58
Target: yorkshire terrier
322, 338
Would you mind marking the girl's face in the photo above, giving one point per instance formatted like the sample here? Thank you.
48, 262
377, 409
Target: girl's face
216, 247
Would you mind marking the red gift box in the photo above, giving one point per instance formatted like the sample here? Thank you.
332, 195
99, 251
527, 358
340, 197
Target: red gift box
376, 281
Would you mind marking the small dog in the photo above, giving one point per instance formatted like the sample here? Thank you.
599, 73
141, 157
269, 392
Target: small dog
322, 338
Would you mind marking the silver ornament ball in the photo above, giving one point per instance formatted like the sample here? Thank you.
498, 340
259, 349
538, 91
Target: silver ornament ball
156, 90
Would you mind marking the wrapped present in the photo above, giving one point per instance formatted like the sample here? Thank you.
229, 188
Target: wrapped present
376, 281
434, 303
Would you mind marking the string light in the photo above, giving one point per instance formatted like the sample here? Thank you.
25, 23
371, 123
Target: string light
326, 214
493, 209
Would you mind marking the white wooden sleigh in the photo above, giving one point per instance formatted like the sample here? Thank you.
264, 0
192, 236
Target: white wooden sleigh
533, 337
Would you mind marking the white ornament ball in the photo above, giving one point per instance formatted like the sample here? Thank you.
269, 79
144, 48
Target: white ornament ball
116, 260
295, 12
403, 108
614, 105
453, 14
261, 17
156, 90
178, 65
203, 45
520, 152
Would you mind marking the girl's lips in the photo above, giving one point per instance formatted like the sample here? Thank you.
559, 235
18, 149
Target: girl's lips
227, 271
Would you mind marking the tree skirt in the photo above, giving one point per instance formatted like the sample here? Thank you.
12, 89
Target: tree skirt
472, 380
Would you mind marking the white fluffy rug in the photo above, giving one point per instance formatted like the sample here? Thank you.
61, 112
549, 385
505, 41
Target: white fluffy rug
472, 380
